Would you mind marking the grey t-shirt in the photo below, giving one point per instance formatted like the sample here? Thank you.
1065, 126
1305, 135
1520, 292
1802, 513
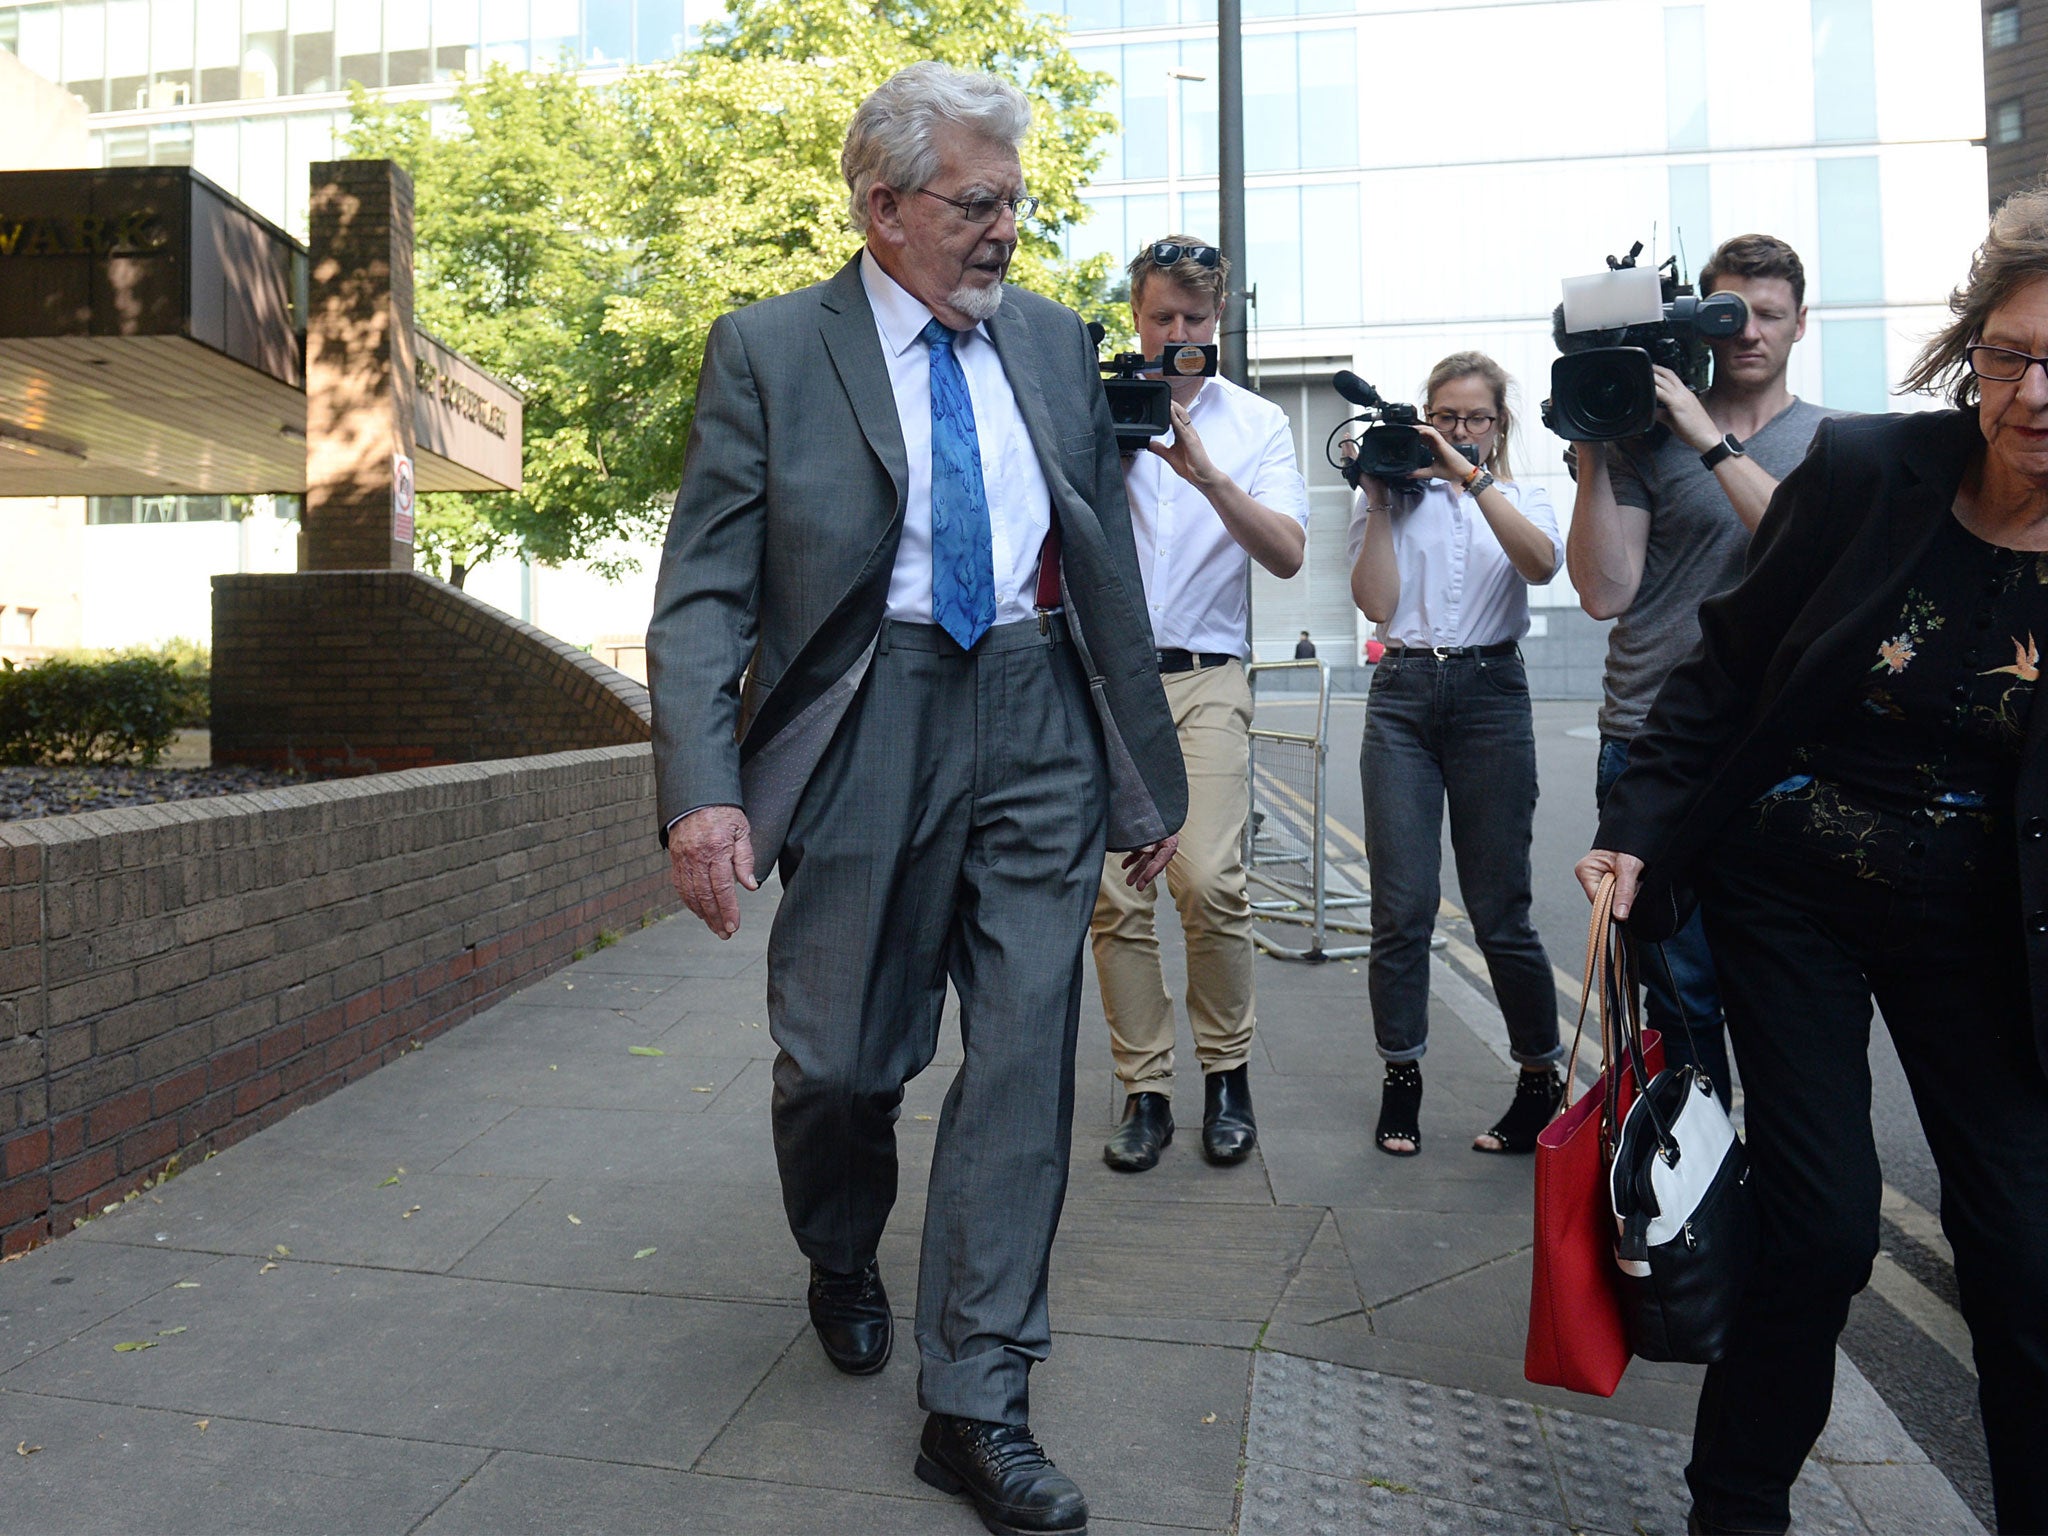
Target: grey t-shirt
1696, 549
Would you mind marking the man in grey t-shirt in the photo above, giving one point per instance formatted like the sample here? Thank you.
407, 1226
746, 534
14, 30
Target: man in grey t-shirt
1660, 525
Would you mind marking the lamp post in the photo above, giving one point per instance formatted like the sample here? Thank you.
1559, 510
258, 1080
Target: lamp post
1174, 76
1230, 183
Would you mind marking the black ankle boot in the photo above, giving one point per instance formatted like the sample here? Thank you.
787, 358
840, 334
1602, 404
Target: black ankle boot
1401, 1109
1146, 1128
1016, 1489
851, 1315
1228, 1130
1537, 1096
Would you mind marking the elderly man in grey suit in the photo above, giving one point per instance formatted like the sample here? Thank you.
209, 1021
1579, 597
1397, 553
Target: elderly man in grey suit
899, 650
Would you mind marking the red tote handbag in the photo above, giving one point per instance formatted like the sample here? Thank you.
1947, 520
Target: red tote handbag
1578, 1338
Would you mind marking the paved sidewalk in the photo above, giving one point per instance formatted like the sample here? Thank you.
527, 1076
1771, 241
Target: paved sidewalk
527, 1280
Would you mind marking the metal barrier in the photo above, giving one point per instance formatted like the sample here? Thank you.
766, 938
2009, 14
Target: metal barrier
1286, 835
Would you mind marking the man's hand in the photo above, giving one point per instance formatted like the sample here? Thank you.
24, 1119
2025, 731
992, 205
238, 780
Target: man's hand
1185, 454
1142, 865
707, 851
1626, 868
1680, 410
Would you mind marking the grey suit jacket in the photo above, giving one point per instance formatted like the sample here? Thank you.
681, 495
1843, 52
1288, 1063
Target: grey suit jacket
775, 574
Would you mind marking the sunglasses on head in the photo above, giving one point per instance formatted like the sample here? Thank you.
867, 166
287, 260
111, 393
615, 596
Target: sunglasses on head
1165, 253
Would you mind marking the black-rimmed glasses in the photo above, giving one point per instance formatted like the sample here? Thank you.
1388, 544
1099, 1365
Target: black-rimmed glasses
1448, 421
2001, 365
986, 210
1166, 252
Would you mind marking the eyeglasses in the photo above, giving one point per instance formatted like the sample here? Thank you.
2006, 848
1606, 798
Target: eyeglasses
2001, 365
1165, 253
986, 210
1448, 421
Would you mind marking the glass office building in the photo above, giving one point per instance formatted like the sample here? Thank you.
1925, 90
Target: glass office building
1419, 175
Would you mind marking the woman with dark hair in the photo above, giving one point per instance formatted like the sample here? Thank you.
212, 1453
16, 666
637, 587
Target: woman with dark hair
1853, 776
1443, 563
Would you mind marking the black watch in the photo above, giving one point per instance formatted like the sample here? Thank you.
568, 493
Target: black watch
1727, 448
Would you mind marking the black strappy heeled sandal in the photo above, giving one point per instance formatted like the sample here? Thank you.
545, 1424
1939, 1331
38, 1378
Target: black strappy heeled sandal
1537, 1096
1400, 1109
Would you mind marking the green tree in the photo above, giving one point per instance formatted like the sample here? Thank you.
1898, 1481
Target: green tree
579, 240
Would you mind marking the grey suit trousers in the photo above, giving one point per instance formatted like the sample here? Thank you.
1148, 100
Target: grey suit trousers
954, 830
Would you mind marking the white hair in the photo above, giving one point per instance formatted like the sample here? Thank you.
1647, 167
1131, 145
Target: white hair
889, 142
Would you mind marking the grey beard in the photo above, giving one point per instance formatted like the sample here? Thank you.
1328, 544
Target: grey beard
977, 304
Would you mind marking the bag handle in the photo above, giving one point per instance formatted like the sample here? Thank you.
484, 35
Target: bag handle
1595, 974
1612, 971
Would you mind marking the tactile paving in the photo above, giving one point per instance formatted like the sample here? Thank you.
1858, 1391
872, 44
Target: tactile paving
1332, 1449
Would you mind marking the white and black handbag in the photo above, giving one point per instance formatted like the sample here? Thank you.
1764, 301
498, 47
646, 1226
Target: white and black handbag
1684, 1219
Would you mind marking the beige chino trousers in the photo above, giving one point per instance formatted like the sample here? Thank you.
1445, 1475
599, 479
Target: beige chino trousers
1212, 713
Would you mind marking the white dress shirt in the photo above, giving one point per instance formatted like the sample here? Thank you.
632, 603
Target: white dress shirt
1198, 579
1019, 504
1457, 585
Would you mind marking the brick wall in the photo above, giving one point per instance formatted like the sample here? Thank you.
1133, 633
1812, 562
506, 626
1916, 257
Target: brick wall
175, 977
346, 672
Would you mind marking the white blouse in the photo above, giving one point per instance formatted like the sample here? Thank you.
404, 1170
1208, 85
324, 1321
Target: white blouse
1457, 585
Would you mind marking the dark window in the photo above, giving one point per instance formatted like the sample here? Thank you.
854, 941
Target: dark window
92, 92
410, 66
2008, 122
2002, 27
363, 69
452, 60
220, 84
109, 509
312, 62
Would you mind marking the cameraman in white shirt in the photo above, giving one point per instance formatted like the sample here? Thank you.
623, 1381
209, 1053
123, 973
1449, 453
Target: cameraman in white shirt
1223, 489
1442, 562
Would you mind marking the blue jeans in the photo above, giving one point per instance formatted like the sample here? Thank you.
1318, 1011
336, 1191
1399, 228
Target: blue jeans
1458, 730
1689, 994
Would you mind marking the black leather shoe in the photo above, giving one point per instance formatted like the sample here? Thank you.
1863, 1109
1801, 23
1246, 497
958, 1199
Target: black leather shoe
1016, 1489
1228, 1130
1147, 1126
851, 1314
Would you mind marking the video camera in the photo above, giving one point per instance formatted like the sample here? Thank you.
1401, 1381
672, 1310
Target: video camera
1612, 328
1391, 448
1141, 406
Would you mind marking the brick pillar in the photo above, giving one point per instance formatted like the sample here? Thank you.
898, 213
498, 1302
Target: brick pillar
359, 365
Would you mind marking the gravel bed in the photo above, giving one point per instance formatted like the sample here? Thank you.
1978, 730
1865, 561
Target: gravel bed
27, 793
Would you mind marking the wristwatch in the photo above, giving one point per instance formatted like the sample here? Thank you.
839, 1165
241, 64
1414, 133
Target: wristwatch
1727, 448
1479, 482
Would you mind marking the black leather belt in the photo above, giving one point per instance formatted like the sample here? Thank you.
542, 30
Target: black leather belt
1454, 652
1177, 660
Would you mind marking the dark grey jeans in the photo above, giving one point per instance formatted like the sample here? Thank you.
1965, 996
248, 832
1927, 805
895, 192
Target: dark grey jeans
1458, 730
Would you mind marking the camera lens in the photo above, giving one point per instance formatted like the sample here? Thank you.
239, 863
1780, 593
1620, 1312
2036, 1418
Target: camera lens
1603, 394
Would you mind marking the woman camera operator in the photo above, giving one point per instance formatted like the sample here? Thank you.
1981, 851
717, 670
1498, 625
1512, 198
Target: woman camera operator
1443, 565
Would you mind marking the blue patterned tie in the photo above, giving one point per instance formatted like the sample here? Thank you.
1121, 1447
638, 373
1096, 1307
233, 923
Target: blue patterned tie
963, 560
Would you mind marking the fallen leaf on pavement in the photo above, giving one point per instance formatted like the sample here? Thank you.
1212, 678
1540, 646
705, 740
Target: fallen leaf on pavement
575, 1221
1208, 1418
645, 1050
645, 1253
165, 1333
200, 1424
708, 1088
282, 1252
134, 1344
920, 1117
25, 1449
186, 1285
266, 1269
389, 1182
407, 1215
